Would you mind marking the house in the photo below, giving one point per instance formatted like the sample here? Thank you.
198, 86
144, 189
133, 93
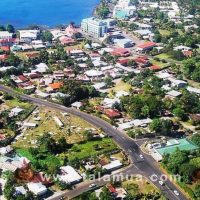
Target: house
15, 111
77, 105
3, 57
112, 113
28, 35
113, 165
58, 75
20, 191
118, 193
94, 73
41, 68
37, 188
56, 85
71, 30
193, 90
122, 52
147, 46
5, 35
173, 94
69, 175
124, 43
177, 83
108, 102
6, 150
64, 40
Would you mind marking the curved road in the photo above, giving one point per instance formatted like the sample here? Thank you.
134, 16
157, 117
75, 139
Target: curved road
147, 167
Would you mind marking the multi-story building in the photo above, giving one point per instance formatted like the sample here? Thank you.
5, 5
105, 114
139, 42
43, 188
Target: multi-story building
94, 27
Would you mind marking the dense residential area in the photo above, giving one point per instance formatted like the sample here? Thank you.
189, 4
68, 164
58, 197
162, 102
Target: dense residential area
118, 95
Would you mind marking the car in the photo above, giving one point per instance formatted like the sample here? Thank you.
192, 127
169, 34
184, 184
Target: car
141, 156
92, 185
161, 183
176, 192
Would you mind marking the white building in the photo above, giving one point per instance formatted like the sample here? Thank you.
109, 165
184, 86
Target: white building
113, 165
28, 35
94, 27
37, 188
70, 175
5, 35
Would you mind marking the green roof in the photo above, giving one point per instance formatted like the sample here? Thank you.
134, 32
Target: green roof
121, 14
182, 144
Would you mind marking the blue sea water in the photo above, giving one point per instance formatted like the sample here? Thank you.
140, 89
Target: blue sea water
22, 13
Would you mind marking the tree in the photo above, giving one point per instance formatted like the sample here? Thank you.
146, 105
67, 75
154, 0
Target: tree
179, 112
186, 170
175, 160
108, 81
10, 28
47, 36
197, 191
196, 139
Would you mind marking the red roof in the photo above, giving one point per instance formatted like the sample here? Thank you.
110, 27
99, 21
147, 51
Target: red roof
112, 113
35, 75
5, 48
120, 52
111, 188
32, 55
147, 45
141, 60
56, 86
123, 61
11, 40
2, 137
187, 53
3, 57
22, 78
154, 68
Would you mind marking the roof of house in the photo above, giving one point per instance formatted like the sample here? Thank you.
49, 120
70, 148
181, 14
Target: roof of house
69, 174
147, 45
56, 85
112, 113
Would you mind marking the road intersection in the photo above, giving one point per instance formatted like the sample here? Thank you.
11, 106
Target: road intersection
146, 167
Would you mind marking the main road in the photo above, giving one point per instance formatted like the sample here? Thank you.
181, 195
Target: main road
147, 166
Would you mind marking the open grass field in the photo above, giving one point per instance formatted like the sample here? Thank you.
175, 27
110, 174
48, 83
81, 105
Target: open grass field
82, 151
16, 102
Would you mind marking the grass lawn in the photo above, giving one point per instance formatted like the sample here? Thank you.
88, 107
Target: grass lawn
82, 151
120, 86
164, 32
15, 102
163, 56
135, 186
157, 63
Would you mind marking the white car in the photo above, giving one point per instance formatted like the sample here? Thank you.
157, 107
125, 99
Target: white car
161, 183
141, 156
176, 192
92, 185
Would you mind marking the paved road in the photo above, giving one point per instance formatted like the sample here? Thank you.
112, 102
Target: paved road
146, 166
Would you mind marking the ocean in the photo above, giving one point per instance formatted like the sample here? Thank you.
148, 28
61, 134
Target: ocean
50, 13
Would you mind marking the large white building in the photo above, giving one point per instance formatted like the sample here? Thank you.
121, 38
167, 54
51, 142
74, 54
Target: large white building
28, 35
94, 27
